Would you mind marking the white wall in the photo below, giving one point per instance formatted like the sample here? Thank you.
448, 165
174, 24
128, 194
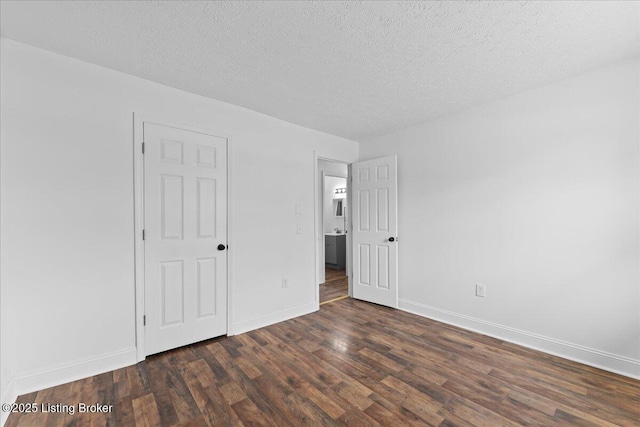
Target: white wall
537, 197
67, 243
331, 221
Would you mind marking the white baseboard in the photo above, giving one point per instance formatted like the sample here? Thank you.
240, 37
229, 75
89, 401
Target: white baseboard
65, 373
74, 371
270, 319
8, 396
585, 355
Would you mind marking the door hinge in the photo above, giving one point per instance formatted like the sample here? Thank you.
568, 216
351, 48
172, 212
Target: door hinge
143, 148
144, 320
142, 234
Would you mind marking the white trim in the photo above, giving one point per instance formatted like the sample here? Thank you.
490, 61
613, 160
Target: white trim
138, 226
9, 396
318, 224
138, 184
272, 318
589, 356
230, 227
72, 371
322, 258
349, 231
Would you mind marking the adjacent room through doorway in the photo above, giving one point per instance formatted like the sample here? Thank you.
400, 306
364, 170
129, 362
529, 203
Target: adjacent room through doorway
333, 228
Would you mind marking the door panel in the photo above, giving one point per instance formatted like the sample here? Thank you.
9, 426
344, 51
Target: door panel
206, 196
363, 210
171, 209
172, 288
364, 264
207, 284
375, 213
185, 218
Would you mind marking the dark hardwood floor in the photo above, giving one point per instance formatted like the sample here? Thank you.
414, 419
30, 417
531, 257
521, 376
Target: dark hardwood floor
351, 363
334, 286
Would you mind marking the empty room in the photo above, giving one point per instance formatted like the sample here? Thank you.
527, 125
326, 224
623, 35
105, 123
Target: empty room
299, 213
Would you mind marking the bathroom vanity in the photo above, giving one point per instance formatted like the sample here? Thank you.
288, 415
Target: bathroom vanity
335, 249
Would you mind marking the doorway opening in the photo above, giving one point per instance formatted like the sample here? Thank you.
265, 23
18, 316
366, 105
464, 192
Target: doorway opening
333, 231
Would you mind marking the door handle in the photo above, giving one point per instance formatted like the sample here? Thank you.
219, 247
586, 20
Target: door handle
392, 239
222, 247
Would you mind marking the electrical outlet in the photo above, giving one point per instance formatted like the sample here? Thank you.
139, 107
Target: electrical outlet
298, 229
285, 282
480, 290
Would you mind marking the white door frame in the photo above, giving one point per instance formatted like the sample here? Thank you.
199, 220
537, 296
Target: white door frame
319, 222
320, 244
138, 186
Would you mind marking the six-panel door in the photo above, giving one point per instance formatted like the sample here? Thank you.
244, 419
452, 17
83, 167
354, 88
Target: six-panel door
185, 222
375, 228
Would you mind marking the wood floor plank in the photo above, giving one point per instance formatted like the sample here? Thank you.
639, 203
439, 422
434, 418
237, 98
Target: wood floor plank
123, 409
33, 418
81, 391
61, 394
382, 415
164, 397
311, 387
510, 409
534, 401
401, 414
335, 285
299, 410
355, 393
565, 399
406, 403
357, 419
232, 393
138, 381
252, 390
197, 376
431, 406
351, 363
250, 415
145, 411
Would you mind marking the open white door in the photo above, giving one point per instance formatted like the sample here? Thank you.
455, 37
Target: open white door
185, 216
375, 231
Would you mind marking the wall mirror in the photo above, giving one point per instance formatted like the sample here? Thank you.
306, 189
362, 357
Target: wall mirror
338, 207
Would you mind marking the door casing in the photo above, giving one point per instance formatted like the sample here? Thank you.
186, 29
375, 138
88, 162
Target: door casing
319, 222
138, 178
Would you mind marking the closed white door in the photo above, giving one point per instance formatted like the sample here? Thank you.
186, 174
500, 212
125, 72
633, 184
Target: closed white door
375, 231
185, 237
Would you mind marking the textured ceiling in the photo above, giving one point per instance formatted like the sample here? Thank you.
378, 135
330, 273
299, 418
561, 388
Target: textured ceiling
354, 69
